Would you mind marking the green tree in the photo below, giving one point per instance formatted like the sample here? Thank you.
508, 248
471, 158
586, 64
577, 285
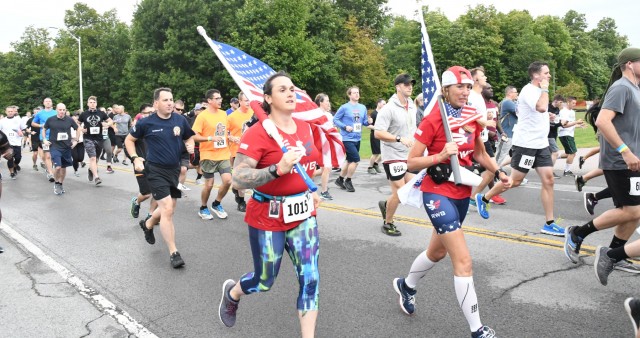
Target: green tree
362, 64
402, 48
371, 15
574, 88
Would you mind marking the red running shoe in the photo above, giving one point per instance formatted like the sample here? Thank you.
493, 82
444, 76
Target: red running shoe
497, 199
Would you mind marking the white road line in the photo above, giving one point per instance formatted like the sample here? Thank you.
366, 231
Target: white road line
99, 301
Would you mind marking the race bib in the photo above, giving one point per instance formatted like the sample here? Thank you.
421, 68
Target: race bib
526, 162
45, 146
297, 208
63, 136
397, 168
105, 132
11, 134
220, 144
357, 127
484, 135
634, 186
94, 130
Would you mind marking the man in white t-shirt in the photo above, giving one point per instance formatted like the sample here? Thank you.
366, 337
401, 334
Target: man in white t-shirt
565, 133
531, 146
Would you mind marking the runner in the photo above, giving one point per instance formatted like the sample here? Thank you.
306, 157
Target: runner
237, 127
394, 127
211, 128
60, 142
566, 133
6, 151
446, 204
93, 122
323, 101
38, 121
619, 124
164, 134
36, 146
260, 165
13, 126
531, 146
374, 167
144, 191
78, 151
122, 122
350, 118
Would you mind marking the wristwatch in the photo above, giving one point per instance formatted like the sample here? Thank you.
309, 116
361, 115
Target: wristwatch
273, 170
398, 138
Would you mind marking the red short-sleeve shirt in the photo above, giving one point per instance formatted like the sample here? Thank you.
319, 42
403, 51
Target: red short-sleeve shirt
257, 144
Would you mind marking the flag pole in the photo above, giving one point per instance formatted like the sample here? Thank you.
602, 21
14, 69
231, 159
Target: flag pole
455, 164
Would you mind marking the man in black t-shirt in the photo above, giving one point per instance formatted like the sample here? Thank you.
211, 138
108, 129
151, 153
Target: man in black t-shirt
93, 120
144, 191
554, 121
60, 143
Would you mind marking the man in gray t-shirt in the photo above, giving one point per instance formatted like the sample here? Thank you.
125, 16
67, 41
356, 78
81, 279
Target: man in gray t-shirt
395, 126
123, 123
619, 124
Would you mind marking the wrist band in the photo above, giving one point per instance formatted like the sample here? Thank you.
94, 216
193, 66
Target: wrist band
209, 138
622, 148
545, 90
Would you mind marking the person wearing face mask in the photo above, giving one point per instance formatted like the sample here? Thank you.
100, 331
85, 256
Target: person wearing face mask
445, 202
395, 126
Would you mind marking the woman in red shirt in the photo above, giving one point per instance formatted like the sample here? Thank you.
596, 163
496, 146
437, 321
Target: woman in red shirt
447, 203
281, 212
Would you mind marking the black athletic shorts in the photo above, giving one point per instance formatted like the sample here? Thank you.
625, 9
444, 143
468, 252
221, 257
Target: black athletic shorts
621, 187
162, 181
490, 146
375, 144
143, 183
522, 158
35, 143
120, 141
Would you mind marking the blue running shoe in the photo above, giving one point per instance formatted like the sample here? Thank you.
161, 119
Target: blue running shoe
482, 207
484, 332
219, 211
407, 300
552, 229
205, 214
571, 247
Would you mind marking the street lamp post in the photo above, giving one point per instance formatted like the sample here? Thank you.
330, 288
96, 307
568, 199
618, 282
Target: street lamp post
79, 66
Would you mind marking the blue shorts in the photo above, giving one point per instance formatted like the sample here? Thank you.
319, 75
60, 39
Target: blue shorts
61, 158
352, 148
446, 214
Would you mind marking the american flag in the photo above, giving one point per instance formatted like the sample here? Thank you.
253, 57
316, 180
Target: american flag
430, 80
431, 86
250, 74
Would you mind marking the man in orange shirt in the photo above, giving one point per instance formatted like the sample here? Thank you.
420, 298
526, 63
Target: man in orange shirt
211, 128
237, 126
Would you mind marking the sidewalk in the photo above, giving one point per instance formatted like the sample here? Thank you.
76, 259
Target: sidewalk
35, 301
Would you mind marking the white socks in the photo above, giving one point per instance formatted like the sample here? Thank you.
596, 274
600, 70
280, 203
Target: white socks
567, 167
466, 293
419, 268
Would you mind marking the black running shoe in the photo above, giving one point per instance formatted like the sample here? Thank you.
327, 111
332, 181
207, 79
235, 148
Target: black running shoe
349, 186
176, 260
390, 229
90, 175
581, 161
340, 183
148, 233
580, 182
383, 209
242, 206
590, 202
631, 305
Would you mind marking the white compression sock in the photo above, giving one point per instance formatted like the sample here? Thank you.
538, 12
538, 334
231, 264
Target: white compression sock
466, 293
567, 166
419, 268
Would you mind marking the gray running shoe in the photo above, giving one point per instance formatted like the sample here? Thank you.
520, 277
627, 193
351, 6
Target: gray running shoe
349, 186
98, 181
377, 168
57, 189
135, 207
571, 246
228, 307
326, 196
626, 266
372, 171
50, 177
603, 265
568, 173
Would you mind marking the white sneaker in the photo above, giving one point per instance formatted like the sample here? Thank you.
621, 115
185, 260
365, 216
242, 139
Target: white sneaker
183, 187
524, 181
199, 181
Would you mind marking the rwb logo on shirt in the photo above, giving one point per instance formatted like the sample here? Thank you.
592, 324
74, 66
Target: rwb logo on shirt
244, 146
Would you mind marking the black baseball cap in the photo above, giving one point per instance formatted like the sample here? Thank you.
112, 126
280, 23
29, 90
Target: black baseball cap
404, 78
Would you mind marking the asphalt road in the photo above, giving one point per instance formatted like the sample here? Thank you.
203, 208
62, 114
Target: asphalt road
525, 285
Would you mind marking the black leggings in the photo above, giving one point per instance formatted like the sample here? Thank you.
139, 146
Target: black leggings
16, 158
78, 155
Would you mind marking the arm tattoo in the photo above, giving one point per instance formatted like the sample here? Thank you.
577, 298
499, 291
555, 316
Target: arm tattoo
245, 174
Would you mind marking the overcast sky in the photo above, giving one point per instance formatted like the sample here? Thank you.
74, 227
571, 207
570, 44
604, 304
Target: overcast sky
17, 15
